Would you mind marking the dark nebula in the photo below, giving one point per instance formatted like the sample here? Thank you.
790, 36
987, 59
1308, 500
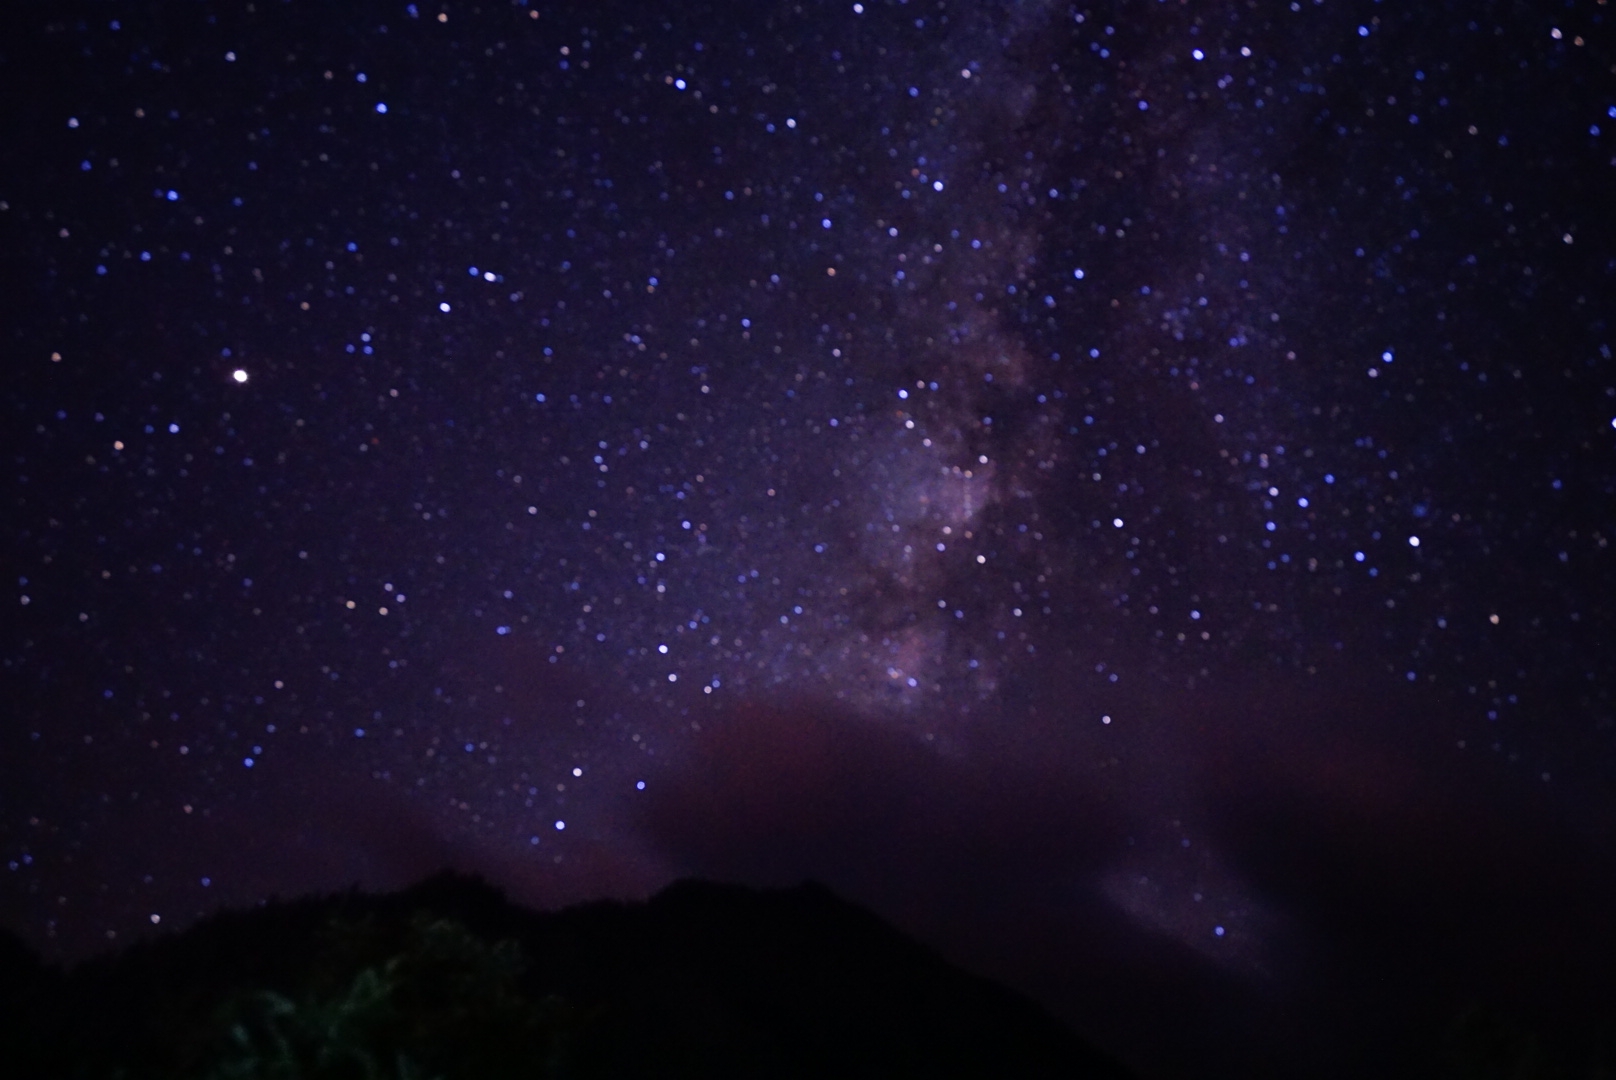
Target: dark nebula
1122, 491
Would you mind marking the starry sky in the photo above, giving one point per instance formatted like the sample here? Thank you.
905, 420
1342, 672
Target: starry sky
1123, 490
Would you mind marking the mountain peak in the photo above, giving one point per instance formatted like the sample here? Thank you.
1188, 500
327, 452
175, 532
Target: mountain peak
450, 978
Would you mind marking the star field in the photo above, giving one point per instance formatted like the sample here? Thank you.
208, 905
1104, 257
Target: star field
437, 433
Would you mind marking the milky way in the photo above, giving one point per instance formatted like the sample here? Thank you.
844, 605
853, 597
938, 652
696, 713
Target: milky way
1096, 439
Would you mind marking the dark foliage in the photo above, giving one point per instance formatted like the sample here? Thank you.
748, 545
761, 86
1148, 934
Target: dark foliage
449, 980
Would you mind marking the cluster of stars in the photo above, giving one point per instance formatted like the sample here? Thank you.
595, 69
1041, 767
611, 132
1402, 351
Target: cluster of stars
806, 369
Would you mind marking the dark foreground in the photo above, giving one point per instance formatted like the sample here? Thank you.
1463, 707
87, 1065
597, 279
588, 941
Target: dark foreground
448, 979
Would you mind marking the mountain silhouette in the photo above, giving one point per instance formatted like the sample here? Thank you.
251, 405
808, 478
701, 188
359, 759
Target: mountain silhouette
449, 979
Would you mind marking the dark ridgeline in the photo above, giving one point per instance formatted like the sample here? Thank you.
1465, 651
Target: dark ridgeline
448, 979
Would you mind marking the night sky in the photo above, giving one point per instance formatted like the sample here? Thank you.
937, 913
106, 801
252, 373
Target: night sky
1124, 491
